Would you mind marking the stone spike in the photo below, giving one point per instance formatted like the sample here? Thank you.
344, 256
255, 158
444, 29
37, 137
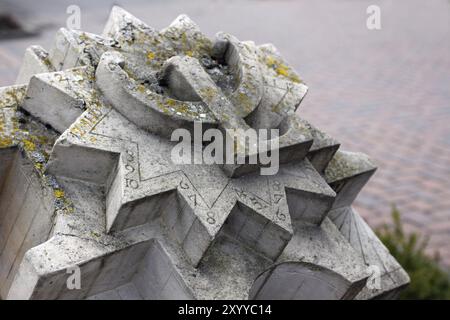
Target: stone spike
119, 19
74, 48
323, 148
66, 88
25, 190
52, 278
308, 195
375, 255
183, 24
347, 173
335, 255
35, 61
113, 201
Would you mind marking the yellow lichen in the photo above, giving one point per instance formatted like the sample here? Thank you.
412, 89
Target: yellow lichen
281, 69
150, 55
209, 93
244, 101
95, 234
141, 88
58, 193
29, 145
171, 102
5, 142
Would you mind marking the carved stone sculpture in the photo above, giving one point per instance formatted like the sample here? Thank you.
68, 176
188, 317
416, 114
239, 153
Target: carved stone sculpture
88, 182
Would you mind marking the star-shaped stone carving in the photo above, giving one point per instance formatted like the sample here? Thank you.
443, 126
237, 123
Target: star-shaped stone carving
139, 225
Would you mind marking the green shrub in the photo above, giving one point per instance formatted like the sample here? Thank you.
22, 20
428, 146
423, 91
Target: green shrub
428, 279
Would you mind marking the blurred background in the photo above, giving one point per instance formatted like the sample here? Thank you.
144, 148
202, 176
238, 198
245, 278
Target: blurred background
383, 92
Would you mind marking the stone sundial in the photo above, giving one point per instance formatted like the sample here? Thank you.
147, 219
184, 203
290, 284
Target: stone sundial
88, 181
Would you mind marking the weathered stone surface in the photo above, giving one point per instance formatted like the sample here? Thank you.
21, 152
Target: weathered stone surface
69, 91
34, 61
103, 194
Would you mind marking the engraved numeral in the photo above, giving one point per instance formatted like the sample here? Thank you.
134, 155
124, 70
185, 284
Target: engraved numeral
184, 185
210, 219
129, 168
131, 183
193, 198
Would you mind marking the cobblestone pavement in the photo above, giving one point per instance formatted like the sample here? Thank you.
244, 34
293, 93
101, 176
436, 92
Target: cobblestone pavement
383, 92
